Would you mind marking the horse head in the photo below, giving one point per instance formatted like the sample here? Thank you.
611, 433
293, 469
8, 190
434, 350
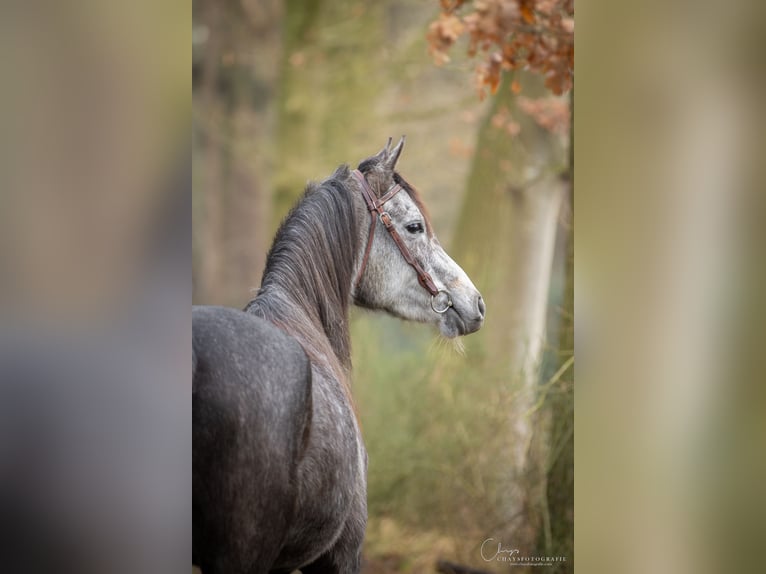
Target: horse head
403, 268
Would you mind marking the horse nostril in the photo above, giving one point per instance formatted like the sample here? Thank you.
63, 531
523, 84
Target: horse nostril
481, 306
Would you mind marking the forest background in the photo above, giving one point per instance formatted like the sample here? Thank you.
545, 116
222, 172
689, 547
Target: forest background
464, 444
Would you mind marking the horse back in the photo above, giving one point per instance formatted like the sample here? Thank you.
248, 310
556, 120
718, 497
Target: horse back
251, 410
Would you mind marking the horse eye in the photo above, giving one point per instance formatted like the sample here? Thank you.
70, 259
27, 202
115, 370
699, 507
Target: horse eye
414, 227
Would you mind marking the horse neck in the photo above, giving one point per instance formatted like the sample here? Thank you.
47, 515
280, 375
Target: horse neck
307, 283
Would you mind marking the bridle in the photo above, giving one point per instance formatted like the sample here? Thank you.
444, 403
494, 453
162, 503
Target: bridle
375, 206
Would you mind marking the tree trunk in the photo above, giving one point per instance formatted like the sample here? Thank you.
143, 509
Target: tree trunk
210, 196
505, 239
558, 535
560, 494
533, 239
235, 106
248, 206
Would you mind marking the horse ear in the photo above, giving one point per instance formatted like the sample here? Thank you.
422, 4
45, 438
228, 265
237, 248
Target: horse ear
382, 155
393, 155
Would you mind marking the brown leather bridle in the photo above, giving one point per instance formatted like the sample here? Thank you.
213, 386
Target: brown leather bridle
375, 206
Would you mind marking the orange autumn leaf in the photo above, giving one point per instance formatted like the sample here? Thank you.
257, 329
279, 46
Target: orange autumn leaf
442, 34
526, 12
493, 72
451, 5
504, 35
450, 27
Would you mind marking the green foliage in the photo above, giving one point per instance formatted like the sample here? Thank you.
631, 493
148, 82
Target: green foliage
433, 423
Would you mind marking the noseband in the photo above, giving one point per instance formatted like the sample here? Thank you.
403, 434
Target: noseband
375, 206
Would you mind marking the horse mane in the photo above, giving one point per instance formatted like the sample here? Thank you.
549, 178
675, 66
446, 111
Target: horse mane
306, 284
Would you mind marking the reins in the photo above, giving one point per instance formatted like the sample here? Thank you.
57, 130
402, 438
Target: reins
375, 207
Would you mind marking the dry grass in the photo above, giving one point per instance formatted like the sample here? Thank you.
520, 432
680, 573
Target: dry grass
393, 548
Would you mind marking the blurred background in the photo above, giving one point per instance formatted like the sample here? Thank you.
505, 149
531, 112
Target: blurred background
95, 261
95, 257
464, 445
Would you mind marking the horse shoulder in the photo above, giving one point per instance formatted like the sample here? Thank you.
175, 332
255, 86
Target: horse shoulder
253, 371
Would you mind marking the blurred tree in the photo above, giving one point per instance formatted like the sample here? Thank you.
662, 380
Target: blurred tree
209, 235
328, 87
516, 188
232, 106
559, 497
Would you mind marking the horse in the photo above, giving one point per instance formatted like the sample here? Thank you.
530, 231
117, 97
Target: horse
279, 465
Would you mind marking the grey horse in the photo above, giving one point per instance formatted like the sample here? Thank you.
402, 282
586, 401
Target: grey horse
279, 465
